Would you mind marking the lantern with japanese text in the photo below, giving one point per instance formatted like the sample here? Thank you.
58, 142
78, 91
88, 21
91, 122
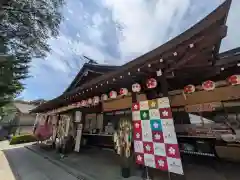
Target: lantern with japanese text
104, 97
151, 83
189, 89
208, 85
136, 87
89, 101
96, 100
123, 91
113, 94
234, 80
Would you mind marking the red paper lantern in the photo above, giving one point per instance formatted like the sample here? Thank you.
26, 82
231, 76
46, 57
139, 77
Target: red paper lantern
208, 85
151, 83
136, 87
113, 94
234, 79
123, 91
189, 89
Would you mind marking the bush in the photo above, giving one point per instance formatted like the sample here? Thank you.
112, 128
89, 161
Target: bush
22, 139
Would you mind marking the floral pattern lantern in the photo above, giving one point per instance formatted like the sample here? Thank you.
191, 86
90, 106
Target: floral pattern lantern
136, 87
104, 97
189, 89
123, 91
234, 80
96, 100
89, 101
151, 83
208, 85
113, 94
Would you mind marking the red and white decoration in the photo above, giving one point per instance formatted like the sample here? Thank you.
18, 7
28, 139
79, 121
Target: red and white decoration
104, 97
123, 91
113, 94
89, 101
189, 89
155, 141
96, 100
136, 87
208, 85
83, 103
151, 83
234, 80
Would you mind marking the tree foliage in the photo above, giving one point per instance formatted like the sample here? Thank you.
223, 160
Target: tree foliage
25, 27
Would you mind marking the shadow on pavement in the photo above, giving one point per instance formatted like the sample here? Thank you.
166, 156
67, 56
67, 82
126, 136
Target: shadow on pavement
101, 164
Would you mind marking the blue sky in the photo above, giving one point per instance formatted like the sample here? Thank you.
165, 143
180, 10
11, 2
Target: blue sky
115, 32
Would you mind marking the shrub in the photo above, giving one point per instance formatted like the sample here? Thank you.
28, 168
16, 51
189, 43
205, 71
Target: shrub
22, 139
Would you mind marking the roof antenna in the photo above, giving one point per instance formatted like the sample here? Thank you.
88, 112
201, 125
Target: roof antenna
90, 61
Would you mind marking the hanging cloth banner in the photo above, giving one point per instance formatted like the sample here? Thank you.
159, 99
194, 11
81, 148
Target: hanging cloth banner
155, 141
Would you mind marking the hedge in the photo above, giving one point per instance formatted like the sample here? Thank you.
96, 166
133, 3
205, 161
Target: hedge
22, 139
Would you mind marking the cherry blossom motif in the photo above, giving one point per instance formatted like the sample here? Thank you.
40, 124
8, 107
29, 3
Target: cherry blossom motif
148, 148
208, 85
157, 136
113, 94
123, 91
135, 106
137, 125
234, 79
153, 104
151, 83
139, 158
161, 163
172, 151
189, 89
138, 135
155, 125
165, 113
136, 87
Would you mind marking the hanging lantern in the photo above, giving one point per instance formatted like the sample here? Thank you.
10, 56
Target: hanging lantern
89, 101
208, 85
189, 89
136, 87
104, 97
96, 100
79, 104
113, 94
83, 103
151, 83
123, 91
234, 80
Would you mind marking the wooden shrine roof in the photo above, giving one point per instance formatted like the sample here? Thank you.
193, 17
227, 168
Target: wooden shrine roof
88, 72
194, 48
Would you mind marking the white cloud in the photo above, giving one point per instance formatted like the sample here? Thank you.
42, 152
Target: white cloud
145, 24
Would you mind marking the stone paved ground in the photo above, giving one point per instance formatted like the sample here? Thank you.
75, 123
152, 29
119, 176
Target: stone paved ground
98, 164
19, 163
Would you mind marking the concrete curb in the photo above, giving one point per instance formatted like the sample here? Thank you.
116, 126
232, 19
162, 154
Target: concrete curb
72, 171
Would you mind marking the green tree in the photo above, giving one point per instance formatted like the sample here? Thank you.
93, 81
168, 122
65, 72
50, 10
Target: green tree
25, 27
